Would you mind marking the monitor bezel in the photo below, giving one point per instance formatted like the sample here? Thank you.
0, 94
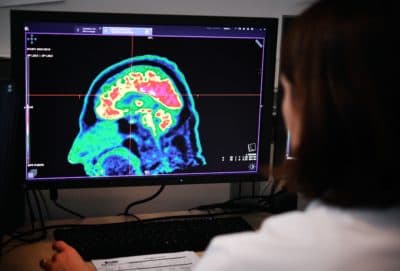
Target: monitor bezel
19, 17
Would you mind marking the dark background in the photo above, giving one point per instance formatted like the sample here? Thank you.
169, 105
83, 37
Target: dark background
211, 66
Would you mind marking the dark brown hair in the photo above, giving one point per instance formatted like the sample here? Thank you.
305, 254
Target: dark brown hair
342, 58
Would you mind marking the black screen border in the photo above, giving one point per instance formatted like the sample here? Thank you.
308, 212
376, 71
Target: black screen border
19, 17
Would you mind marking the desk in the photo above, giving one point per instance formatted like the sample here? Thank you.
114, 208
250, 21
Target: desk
26, 257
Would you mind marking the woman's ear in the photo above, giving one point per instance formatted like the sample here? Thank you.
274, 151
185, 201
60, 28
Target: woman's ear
289, 112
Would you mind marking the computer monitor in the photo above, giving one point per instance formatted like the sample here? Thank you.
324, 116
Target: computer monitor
125, 99
11, 193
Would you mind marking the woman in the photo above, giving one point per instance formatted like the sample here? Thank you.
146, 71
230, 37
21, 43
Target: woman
340, 88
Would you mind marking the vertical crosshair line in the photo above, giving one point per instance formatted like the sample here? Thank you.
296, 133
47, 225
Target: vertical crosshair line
130, 114
130, 140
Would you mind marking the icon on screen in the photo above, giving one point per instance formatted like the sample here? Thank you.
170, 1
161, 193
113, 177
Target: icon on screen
32, 173
251, 147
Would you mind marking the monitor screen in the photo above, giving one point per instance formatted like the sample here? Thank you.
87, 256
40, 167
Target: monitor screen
124, 99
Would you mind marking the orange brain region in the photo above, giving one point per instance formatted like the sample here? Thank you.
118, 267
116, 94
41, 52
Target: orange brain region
145, 93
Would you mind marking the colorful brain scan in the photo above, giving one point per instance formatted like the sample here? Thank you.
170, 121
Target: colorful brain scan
138, 118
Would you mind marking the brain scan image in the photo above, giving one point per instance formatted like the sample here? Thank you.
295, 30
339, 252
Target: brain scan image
138, 118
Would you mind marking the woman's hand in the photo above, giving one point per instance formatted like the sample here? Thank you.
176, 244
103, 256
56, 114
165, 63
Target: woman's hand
65, 258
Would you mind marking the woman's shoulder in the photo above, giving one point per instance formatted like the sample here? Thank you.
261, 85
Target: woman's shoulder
321, 235
324, 221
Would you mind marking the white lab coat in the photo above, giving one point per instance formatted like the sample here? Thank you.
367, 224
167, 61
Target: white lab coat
320, 238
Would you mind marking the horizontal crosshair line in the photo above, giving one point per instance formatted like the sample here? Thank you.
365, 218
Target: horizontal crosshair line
194, 95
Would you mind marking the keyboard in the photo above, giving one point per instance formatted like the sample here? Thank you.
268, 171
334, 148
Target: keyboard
102, 241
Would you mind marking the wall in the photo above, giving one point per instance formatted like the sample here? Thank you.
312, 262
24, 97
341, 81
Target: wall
110, 201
